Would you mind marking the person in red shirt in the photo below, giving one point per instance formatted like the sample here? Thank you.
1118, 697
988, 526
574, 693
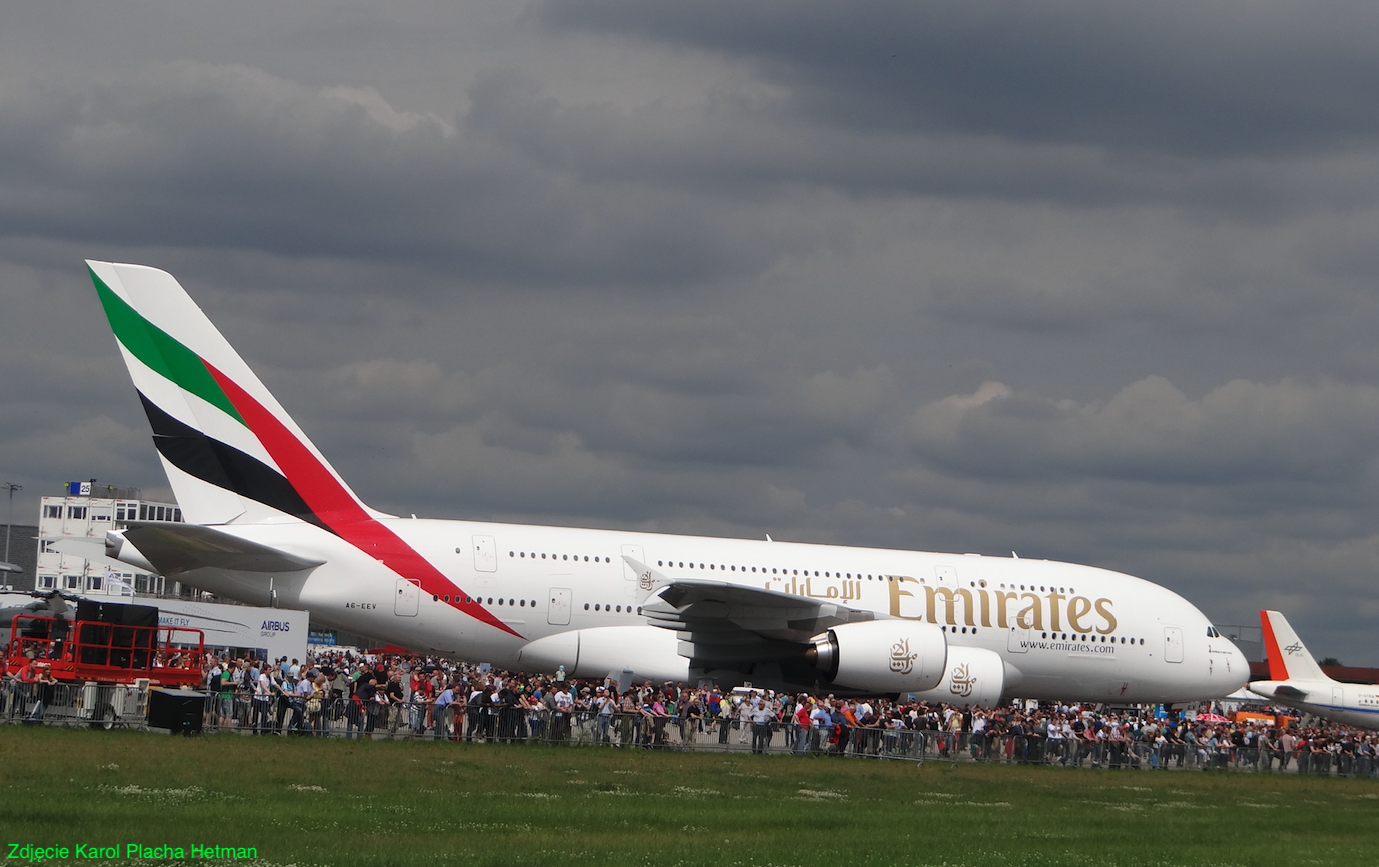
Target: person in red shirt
802, 709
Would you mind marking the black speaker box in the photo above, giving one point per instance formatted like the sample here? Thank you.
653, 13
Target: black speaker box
119, 613
176, 710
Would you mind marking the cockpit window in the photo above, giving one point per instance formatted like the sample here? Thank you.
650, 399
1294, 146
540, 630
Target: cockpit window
1212, 633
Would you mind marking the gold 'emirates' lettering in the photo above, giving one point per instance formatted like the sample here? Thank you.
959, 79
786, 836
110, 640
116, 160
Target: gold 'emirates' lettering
1030, 617
1103, 607
1028, 610
1078, 608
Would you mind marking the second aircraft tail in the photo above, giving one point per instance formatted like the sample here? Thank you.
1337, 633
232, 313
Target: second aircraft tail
1288, 658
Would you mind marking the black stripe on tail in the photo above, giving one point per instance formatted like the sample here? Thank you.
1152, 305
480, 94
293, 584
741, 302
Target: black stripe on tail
216, 463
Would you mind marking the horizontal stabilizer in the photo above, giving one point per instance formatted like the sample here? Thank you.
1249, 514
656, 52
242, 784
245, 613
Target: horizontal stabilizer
1284, 690
174, 548
89, 549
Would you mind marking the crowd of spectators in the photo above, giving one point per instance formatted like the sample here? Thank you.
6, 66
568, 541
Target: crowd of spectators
376, 696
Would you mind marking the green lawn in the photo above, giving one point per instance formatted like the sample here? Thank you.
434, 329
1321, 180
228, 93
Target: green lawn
301, 801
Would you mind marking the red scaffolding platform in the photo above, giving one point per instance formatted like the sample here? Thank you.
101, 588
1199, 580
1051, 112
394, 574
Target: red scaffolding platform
78, 651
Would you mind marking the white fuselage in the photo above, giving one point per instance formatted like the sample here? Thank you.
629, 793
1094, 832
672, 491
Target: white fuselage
1064, 631
1350, 703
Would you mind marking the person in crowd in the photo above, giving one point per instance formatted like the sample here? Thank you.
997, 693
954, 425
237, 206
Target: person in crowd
800, 724
419, 695
761, 719
262, 697
318, 714
443, 712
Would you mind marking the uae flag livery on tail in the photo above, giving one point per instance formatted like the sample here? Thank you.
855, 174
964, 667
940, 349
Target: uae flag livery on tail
231, 453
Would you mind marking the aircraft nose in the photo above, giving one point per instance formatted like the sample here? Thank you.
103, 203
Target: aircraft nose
1239, 667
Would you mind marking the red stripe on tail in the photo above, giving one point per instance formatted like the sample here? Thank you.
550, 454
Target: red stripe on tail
1278, 669
339, 510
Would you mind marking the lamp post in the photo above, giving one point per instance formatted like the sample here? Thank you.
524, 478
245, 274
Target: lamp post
10, 520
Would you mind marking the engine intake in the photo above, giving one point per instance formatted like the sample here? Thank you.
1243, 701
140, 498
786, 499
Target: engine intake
882, 656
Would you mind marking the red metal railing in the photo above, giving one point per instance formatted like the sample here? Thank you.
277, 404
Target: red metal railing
85, 650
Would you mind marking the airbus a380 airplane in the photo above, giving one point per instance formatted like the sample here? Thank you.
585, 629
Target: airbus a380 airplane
1295, 680
268, 518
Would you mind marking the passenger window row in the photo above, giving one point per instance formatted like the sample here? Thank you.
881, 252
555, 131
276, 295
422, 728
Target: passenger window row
516, 603
575, 557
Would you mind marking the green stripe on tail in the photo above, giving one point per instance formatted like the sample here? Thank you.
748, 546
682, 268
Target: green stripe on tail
160, 351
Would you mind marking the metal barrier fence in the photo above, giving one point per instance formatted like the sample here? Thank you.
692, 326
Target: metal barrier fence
97, 705
107, 706
515, 725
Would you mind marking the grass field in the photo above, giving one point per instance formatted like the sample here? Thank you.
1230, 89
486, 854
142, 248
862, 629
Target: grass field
300, 801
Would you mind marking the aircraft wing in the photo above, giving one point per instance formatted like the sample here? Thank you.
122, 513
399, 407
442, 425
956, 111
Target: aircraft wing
174, 548
719, 623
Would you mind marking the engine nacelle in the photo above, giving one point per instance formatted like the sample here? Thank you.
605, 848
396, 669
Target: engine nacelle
882, 656
647, 651
972, 676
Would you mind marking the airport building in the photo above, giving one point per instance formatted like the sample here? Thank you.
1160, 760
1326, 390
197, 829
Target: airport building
86, 511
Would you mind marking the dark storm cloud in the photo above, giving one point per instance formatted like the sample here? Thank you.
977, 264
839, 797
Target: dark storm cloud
1085, 282
338, 172
1183, 77
743, 146
1151, 432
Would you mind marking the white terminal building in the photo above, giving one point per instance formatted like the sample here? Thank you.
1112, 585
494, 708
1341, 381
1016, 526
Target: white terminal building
81, 517
87, 511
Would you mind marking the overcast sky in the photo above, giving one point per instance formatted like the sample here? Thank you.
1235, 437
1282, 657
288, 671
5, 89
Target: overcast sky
1084, 281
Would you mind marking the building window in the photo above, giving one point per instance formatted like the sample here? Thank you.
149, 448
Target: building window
71, 582
95, 517
52, 511
47, 582
94, 581
76, 512
143, 511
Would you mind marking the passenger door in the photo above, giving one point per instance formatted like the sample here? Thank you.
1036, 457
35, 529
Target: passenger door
485, 554
1016, 638
558, 613
1173, 644
407, 598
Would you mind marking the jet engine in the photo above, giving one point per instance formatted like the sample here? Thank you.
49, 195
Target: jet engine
882, 656
972, 676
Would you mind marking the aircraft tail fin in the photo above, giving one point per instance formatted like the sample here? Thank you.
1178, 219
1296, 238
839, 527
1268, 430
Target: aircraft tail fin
1288, 658
229, 449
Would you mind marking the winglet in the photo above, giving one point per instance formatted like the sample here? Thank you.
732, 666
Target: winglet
649, 581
